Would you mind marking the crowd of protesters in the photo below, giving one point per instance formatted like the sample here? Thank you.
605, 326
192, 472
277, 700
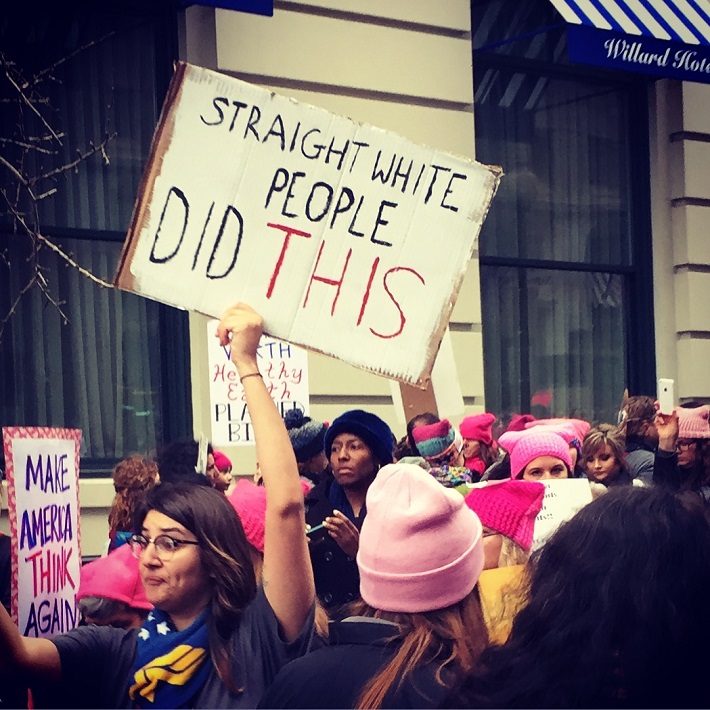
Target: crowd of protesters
358, 571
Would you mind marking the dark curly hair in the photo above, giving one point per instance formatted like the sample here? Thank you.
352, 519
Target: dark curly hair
616, 615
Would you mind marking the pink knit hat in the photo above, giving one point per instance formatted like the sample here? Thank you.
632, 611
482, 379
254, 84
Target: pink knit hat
509, 507
693, 422
478, 427
249, 500
116, 576
525, 446
421, 547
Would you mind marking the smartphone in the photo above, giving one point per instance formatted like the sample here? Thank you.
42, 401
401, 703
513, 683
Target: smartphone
666, 396
317, 532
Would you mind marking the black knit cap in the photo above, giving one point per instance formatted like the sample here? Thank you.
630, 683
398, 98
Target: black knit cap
369, 427
305, 433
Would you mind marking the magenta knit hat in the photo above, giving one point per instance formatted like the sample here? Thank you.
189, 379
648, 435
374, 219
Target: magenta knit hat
509, 507
478, 427
116, 576
525, 446
249, 500
221, 461
438, 443
693, 422
421, 547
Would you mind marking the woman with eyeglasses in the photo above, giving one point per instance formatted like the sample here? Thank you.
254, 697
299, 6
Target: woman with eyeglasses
682, 461
214, 639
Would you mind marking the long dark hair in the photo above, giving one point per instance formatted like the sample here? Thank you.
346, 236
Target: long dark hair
616, 615
698, 474
224, 553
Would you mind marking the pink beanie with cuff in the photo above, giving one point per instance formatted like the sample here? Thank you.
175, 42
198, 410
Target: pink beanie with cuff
525, 446
421, 547
116, 576
693, 422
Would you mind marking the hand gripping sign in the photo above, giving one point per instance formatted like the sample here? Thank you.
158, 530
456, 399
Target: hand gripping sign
347, 239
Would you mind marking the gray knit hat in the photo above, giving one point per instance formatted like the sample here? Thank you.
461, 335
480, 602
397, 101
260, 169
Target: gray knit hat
305, 433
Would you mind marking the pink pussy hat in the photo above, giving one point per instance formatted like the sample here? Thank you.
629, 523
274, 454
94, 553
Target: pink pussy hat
421, 547
116, 576
509, 508
525, 446
693, 422
569, 429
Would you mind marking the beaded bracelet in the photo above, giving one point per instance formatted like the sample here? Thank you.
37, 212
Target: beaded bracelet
251, 374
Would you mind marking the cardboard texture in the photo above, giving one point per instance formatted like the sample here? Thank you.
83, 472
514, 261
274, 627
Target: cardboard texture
349, 240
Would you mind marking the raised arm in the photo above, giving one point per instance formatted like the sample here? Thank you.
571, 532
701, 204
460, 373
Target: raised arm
26, 658
288, 576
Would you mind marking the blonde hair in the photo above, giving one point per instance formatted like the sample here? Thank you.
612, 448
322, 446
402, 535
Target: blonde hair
453, 638
132, 477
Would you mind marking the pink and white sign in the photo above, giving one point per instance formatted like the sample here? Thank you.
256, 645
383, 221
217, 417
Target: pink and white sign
284, 368
43, 504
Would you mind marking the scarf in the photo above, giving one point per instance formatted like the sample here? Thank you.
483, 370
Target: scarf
451, 476
170, 665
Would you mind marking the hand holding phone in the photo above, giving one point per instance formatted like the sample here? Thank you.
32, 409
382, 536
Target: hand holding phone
666, 396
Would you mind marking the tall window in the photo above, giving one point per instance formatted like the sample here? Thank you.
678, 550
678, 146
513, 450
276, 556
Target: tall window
106, 370
564, 252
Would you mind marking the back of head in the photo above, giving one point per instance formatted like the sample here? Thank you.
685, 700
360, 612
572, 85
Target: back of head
177, 462
132, 477
374, 431
420, 546
116, 577
638, 413
307, 435
623, 584
439, 443
419, 420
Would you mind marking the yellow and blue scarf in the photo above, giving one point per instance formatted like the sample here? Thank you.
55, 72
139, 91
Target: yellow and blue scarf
170, 666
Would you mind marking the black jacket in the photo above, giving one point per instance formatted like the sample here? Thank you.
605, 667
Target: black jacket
336, 575
334, 676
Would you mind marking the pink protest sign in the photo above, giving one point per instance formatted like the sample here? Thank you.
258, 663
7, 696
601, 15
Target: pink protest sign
42, 466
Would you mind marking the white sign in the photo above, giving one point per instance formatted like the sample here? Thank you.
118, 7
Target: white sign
43, 502
347, 239
284, 368
563, 498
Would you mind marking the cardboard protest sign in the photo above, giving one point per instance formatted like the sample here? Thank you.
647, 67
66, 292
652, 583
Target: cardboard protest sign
284, 368
563, 498
347, 239
43, 505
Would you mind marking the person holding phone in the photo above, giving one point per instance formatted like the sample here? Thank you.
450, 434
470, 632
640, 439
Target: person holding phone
357, 444
682, 461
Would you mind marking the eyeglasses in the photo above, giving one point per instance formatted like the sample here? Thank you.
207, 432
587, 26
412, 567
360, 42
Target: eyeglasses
165, 545
685, 445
